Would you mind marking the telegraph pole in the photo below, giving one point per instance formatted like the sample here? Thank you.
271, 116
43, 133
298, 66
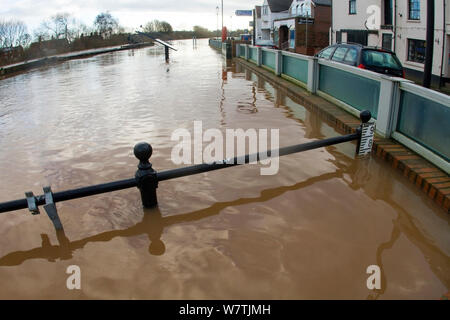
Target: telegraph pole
430, 44
217, 11
254, 27
222, 15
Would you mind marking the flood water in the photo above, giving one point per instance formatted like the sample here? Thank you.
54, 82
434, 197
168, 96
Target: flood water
309, 232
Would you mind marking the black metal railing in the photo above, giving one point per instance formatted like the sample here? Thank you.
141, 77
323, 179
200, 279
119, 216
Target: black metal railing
147, 179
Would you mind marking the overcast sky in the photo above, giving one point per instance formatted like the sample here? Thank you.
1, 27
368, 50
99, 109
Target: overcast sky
181, 14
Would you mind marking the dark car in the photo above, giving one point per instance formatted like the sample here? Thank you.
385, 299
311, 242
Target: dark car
370, 58
266, 44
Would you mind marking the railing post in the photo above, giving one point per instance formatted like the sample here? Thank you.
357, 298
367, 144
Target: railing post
313, 74
238, 50
247, 51
146, 178
278, 62
388, 104
259, 56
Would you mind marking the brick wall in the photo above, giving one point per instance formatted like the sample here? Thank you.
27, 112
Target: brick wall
318, 32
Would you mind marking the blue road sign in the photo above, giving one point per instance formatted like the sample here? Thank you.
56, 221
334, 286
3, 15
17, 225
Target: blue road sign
244, 13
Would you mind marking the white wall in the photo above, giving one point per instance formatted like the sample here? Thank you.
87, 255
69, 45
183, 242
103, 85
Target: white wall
343, 20
407, 29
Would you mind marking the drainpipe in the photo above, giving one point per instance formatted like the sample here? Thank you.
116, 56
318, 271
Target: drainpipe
331, 32
254, 26
395, 26
428, 70
444, 27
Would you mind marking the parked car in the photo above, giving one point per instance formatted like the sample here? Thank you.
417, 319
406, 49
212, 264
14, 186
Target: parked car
265, 44
370, 58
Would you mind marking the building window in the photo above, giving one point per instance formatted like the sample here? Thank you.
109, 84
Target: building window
414, 9
292, 38
416, 50
352, 7
387, 41
338, 36
265, 10
388, 12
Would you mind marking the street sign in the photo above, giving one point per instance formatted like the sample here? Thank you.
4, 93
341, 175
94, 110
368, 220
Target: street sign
247, 13
306, 21
367, 134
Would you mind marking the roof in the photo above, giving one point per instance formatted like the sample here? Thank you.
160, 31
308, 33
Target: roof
322, 2
279, 5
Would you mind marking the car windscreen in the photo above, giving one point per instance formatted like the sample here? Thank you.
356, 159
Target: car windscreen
326, 53
382, 59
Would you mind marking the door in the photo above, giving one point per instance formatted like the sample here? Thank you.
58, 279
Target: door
358, 36
387, 41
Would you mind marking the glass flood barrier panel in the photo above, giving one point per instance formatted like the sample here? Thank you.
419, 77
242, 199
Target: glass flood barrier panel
295, 68
216, 44
242, 51
359, 92
425, 121
253, 54
268, 59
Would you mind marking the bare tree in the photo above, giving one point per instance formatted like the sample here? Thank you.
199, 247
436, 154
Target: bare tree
59, 26
106, 24
158, 26
13, 33
80, 29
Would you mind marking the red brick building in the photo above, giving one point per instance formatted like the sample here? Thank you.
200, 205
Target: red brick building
307, 28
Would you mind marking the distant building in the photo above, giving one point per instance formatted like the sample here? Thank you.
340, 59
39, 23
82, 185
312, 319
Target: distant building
270, 11
258, 32
397, 25
10, 55
49, 47
306, 28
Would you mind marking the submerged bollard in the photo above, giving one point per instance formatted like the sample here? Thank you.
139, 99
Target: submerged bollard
146, 178
166, 51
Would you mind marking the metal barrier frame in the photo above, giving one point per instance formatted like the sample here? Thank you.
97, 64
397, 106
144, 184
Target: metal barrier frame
388, 102
408, 142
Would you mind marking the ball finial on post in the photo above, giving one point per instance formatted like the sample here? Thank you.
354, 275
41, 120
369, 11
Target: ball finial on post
365, 116
146, 177
143, 151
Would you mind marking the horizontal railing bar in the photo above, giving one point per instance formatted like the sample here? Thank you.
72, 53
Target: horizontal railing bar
201, 168
71, 194
175, 173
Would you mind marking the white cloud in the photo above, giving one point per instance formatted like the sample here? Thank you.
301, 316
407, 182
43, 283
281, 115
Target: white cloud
131, 13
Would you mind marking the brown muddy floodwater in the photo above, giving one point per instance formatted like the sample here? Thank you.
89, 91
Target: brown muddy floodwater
310, 231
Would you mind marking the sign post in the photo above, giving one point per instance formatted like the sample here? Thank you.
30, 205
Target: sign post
367, 135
